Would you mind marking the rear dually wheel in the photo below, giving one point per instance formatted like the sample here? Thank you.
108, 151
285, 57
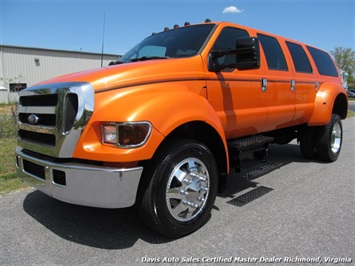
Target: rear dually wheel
330, 139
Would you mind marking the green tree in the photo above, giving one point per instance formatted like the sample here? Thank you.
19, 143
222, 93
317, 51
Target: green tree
345, 60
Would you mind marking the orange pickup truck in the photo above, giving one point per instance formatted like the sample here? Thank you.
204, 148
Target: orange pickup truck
161, 127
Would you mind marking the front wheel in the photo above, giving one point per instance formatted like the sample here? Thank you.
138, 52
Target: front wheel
182, 188
329, 139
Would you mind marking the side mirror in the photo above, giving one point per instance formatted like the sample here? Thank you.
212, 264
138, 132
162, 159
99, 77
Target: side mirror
245, 56
247, 53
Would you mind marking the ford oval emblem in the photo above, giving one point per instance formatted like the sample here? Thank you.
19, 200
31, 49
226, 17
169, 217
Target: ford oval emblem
32, 119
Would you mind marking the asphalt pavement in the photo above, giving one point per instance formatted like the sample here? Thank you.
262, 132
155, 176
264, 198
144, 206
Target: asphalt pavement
352, 106
287, 211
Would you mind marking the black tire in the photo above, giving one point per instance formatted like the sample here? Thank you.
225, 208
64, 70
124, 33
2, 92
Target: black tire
329, 139
307, 140
181, 188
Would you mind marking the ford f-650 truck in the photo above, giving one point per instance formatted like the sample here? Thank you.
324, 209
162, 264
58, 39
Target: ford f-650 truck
161, 127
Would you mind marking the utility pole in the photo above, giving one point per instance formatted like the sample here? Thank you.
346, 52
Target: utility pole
103, 41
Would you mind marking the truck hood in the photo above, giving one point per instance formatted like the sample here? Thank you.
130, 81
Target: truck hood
137, 73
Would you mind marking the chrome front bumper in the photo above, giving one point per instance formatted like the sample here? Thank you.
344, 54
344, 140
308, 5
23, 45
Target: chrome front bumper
82, 184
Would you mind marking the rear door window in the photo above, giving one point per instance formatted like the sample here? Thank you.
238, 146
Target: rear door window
273, 53
299, 58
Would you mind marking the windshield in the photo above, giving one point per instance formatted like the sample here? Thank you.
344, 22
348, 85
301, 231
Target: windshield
180, 42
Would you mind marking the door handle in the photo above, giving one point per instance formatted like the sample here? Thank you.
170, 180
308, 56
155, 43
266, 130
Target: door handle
263, 84
293, 85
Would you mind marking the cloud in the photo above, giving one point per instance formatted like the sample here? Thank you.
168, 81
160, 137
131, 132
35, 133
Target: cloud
232, 9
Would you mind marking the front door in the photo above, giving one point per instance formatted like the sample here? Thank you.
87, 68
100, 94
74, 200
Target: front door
237, 96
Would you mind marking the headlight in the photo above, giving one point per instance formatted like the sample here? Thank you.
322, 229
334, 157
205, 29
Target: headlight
127, 134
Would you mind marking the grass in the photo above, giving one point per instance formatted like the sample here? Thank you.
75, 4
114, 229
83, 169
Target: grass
8, 180
8, 140
9, 185
350, 114
7, 157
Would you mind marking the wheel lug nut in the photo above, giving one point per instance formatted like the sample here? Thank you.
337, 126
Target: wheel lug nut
183, 192
202, 178
199, 198
187, 181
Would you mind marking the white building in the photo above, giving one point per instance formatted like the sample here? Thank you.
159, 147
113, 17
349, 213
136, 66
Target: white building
22, 67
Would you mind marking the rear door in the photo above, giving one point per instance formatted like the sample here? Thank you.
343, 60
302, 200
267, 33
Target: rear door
306, 84
279, 91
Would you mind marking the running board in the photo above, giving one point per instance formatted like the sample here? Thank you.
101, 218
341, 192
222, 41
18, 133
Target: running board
258, 145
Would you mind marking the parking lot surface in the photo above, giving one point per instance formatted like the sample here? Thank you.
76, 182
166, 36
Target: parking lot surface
288, 211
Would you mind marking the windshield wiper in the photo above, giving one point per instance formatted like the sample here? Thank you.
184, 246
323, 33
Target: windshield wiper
115, 63
145, 58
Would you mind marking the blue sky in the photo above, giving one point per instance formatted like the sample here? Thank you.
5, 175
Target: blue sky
78, 24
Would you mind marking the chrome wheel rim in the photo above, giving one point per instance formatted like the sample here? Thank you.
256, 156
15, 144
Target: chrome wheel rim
336, 138
187, 189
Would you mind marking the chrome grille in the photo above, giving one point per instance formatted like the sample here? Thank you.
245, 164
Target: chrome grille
40, 100
52, 117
